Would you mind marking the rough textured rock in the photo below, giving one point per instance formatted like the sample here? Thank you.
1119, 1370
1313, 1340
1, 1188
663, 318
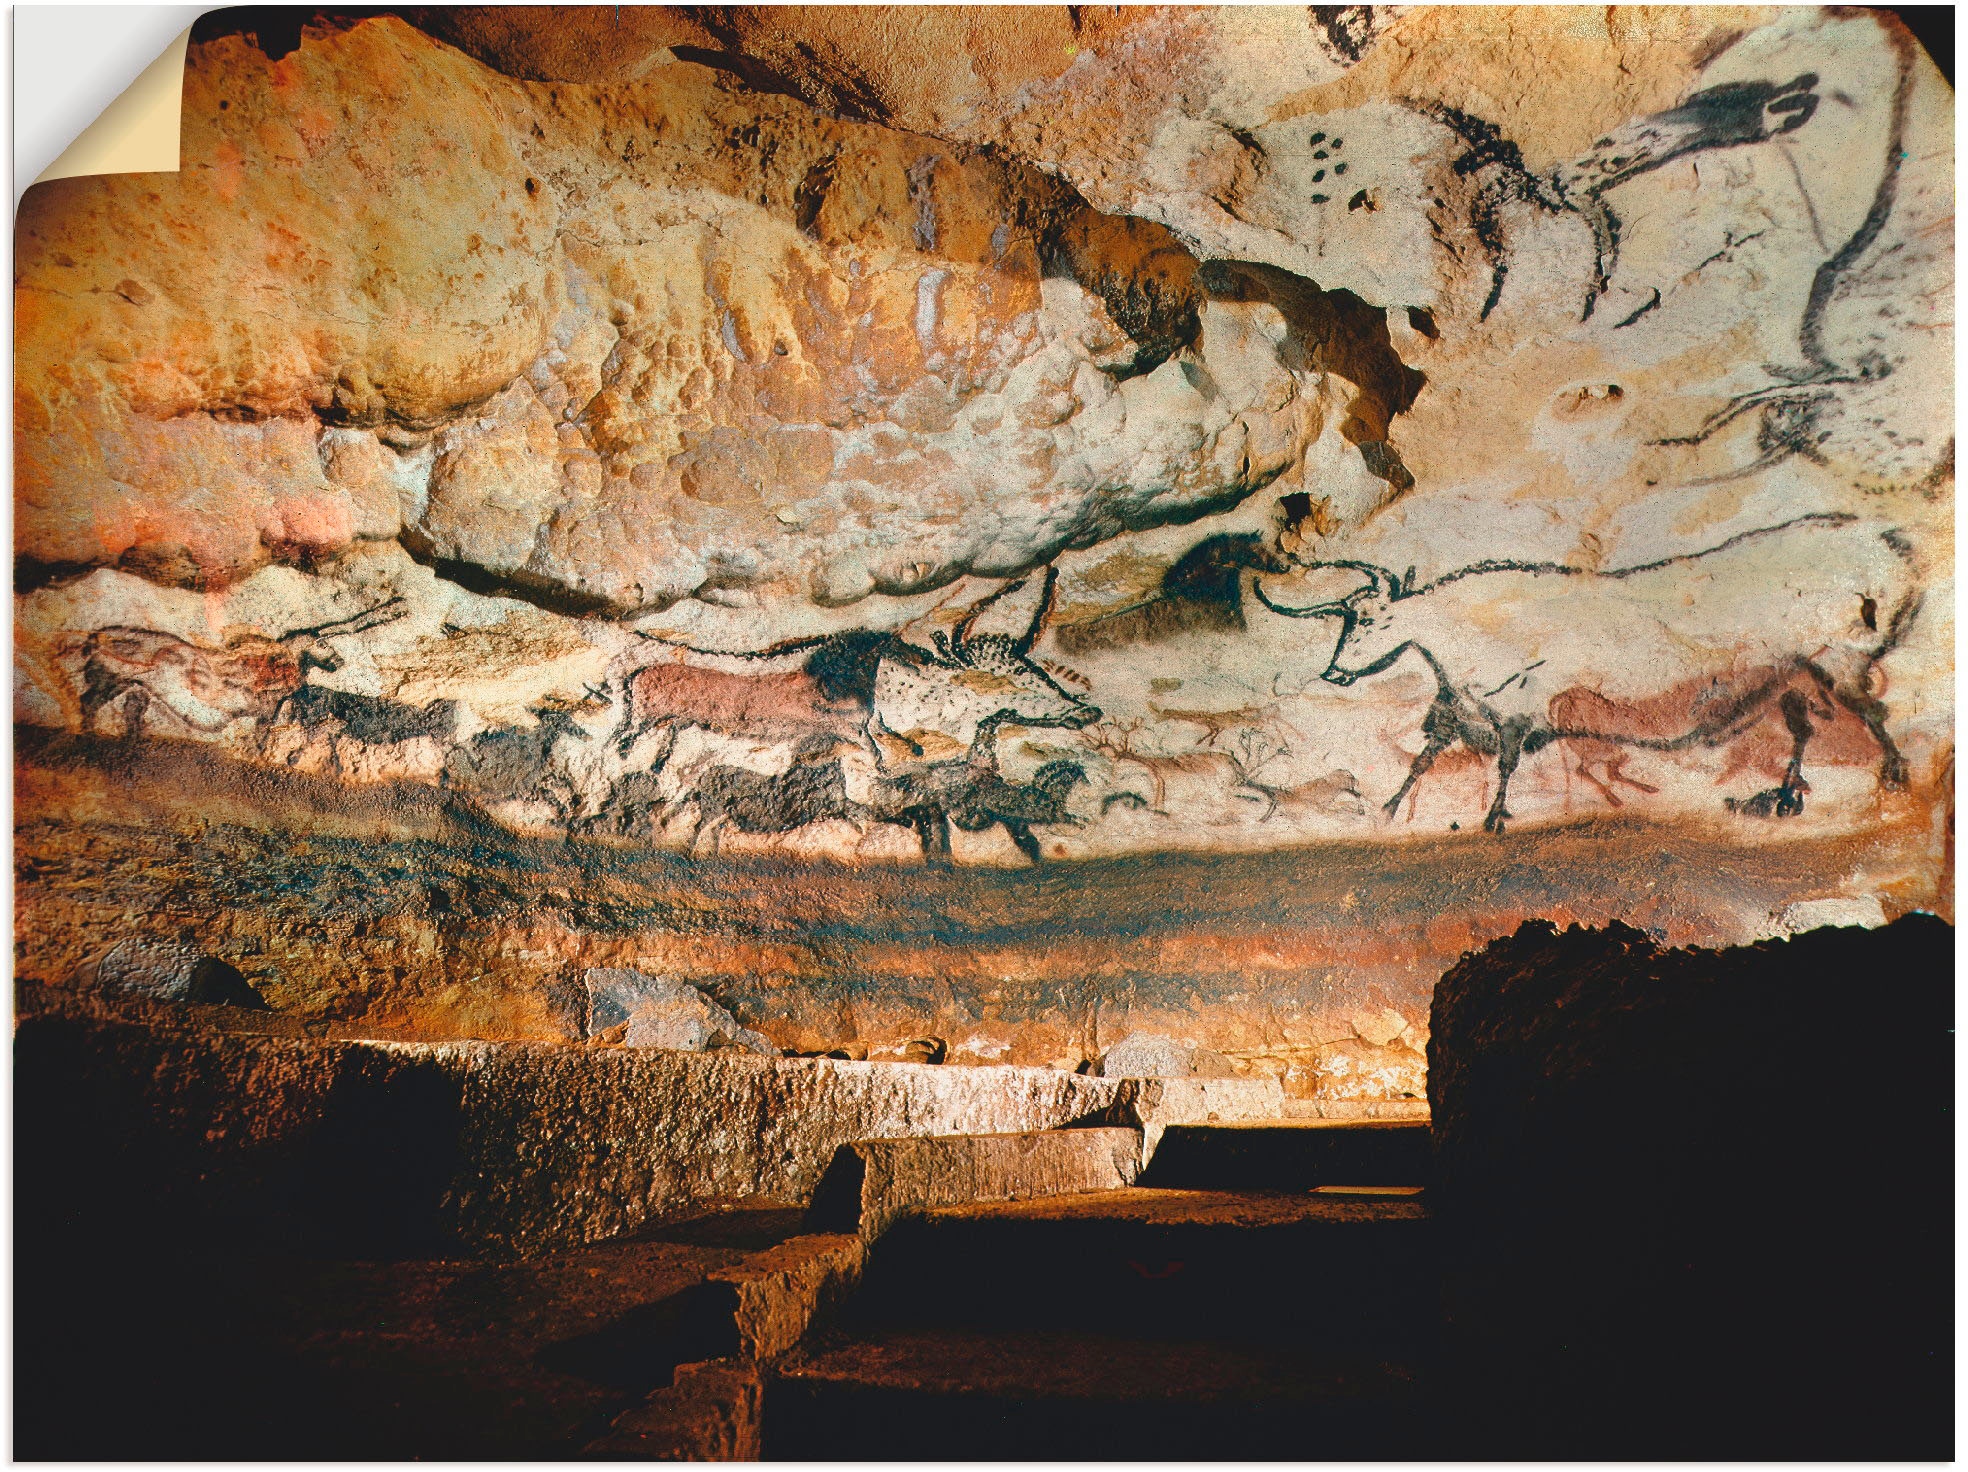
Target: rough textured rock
239, 1348
1150, 1055
383, 1147
660, 1012
1658, 1197
1156, 1103
874, 1183
880, 437
167, 971
395, 919
776, 1296
712, 1412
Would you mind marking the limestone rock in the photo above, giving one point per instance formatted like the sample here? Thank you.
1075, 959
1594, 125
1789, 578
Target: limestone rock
872, 1184
1151, 1055
374, 1147
916, 1050
712, 1411
779, 1294
783, 334
478, 363
1380, 1028
661, 1012
1359, 1069
168, 971
1861, 910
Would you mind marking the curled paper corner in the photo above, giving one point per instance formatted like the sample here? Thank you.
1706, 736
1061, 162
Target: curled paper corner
138, 132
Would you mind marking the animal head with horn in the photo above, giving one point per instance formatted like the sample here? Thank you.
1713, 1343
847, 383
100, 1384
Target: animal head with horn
310, 646
1371, 633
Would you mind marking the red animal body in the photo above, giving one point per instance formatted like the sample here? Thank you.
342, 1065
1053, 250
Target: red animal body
1444, 763
202, 690
786, 706
1761, 740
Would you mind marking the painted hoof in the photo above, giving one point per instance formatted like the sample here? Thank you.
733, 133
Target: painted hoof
1772, 802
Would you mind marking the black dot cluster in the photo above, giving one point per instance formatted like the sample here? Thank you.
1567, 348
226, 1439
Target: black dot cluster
1325, 149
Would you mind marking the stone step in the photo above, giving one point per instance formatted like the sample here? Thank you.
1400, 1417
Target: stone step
873, 1183
371, 1149
924, 1395
1292, 1155
1277, 1268
1355, 1109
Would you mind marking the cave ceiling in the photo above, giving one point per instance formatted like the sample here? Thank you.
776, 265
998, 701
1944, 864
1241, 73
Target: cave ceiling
870, 436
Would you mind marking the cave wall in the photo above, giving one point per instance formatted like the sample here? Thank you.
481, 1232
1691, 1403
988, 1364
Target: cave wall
1022, 526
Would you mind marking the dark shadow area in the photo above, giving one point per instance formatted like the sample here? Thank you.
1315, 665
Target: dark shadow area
748, 1229
836, 1204
1698, 1203
1233, 1159
1359, 1288
1281, 1408
640, 1350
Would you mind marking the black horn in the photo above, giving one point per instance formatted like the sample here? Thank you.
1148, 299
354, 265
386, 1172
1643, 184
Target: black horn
1317, 610
1041, 612
1022, 642
389, 610
1380, 583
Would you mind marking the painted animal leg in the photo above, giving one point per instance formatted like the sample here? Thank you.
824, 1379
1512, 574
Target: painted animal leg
1605, 788
1785, 800
134, 711
1022, 835
626, 731
708, 829
1616, 772
1797, 717
1161, 783
1892, 766
933, 831
99, 690
1424, 759
1510, 746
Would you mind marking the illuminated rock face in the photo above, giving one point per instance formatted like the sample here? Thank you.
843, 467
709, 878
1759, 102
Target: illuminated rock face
870, 438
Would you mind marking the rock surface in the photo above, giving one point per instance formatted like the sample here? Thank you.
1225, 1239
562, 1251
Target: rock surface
1150, 1055
711, 1412
777, 1295
881, 437
167, 971
1073, 298
394, 918
385, 1147
874, 1183
659, 1012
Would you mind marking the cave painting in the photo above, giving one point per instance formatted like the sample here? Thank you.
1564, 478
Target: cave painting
908, 720
1221, 507
1532, 674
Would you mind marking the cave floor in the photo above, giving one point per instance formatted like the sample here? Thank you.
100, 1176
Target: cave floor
239, 1351
1150, 1323
1145, 1322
